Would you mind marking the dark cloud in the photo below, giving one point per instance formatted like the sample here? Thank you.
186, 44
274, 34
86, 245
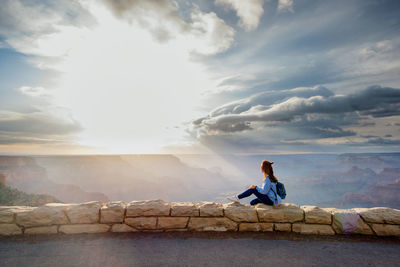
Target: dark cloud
369, 136
366, 124
383, 141
315, 112
269, 98
35, 128
305, 129
376, 101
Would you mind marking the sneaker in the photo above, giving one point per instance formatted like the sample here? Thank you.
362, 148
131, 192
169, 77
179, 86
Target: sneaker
234, 199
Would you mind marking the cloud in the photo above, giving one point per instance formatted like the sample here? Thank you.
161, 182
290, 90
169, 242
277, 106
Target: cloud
249, 11
339, 51
37, 127
27, 25
382, 141
46, 29
39, 122
366, 124
119, 77
143, 12
21, 17
269, 98
33, 91
321, 110
345, 51
285, 6
163, 20
211, 33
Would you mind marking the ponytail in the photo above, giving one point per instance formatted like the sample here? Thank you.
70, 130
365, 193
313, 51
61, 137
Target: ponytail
271, 176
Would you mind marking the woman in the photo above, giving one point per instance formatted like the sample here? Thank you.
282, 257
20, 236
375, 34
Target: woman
266, 194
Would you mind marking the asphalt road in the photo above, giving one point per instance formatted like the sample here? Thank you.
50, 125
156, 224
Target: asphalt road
184, 249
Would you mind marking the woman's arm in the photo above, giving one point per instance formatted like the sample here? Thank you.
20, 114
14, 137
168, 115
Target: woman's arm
267, 186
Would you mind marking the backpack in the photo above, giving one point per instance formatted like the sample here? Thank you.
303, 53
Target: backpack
280, 188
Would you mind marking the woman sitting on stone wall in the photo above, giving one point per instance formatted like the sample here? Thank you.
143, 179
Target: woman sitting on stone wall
266, 194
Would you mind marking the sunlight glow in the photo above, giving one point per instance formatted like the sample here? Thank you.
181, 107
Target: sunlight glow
129, 92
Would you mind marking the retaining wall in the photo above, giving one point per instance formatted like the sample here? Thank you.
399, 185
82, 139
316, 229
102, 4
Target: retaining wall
158, 216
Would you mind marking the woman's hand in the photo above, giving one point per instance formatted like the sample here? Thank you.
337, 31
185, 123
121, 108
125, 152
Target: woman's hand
252, 186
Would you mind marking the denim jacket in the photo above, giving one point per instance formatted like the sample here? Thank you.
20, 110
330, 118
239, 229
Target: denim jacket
267, 188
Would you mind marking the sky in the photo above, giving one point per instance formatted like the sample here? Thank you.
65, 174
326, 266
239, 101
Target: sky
209, 76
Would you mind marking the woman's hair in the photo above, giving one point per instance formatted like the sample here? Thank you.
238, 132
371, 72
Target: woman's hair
266, 167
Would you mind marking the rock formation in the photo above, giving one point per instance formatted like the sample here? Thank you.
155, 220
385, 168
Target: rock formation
3, 180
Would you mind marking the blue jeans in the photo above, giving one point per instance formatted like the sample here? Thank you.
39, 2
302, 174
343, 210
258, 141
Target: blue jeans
261, 198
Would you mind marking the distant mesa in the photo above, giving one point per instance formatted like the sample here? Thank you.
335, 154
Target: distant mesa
3, 180
380, 194
10, 196
25, 174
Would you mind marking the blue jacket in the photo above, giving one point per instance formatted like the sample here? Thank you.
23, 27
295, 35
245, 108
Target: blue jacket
267, 188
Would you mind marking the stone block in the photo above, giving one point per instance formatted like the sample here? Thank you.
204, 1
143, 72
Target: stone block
211, 209
112, 212
184, 209
386, 229
48, 214
172, 222
283, 227
287, 212
156, 207
349, 222
41, 230
84, 213
122, 228
256, 227
142, 223
313, 229
6, 216
240, 213
212, 224
9, 229
83, 228
314, 214
379, 215
176, 230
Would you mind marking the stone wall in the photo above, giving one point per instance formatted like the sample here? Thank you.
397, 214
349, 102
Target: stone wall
159, 216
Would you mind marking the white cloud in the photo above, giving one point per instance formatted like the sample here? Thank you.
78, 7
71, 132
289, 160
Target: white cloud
367, 63
209, 34
33, 91
205, 33
32, 27
285, 6
249, 11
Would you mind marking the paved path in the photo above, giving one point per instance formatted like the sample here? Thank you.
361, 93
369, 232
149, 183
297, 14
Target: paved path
168, 249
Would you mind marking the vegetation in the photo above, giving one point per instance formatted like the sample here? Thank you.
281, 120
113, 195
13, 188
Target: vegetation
13, 197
